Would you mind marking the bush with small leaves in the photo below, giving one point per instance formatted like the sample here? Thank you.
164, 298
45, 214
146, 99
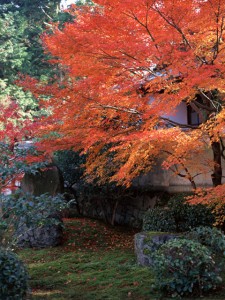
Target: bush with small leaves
13, 277
159, 219
185, 267
189, 216
177, 216
212, 238
25, 211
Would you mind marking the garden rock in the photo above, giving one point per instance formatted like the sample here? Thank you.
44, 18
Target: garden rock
49, 235
48, 181
148, 242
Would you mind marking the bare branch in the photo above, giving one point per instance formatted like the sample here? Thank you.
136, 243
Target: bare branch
210, 100
200, 105
46, 13
129, 55
173, 123
124, 109
136, 112
172, 24
133, 16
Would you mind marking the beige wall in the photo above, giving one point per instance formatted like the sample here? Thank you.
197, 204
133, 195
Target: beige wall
160, 179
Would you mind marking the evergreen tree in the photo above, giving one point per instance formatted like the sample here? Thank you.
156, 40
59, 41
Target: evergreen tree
22, 23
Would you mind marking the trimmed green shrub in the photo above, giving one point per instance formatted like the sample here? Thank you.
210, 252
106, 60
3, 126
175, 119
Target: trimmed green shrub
190, 216
13, 277
212, 238
178, 216
184, 267
159, 219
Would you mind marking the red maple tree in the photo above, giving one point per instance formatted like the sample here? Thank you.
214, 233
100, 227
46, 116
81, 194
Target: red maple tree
17, 155
12, 130
127, 66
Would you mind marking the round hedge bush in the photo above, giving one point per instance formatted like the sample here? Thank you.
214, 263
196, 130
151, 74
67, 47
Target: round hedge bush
13, 277
184, 267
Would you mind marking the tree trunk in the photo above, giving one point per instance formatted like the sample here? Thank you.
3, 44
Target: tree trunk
217, 174
114, 213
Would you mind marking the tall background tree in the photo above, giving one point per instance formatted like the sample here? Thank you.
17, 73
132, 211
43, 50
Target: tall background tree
129, 65
22, 23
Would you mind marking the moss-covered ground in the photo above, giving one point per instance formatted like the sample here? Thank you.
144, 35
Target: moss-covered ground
96, 261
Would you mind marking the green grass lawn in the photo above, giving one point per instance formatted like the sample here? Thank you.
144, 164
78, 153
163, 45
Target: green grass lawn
96, 261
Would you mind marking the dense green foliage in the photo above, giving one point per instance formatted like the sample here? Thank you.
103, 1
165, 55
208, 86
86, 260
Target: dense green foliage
212, 238
189, 216
70, 164
22, 23
177, 216
14, 56
13, 44
19, 210
33, 210
159, 219
184, 267
35, 15
13, 277
89, 195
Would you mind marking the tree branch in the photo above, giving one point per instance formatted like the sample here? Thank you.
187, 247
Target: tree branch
210, 100
200, 105
173, 123
128, 110
136, 112
172, 24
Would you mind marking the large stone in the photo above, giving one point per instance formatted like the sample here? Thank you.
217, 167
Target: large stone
49, 235
147, 242
48, 181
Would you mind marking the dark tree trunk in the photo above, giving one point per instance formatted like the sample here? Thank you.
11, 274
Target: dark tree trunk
217, 174
114, 213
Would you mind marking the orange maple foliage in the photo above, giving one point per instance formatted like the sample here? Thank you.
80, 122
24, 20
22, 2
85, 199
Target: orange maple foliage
126, 67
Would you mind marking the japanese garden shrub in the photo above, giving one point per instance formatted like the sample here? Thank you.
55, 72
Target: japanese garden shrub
189, 216
159, 219
13, 276
177, 216
212, 238
185, 267
20, 210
